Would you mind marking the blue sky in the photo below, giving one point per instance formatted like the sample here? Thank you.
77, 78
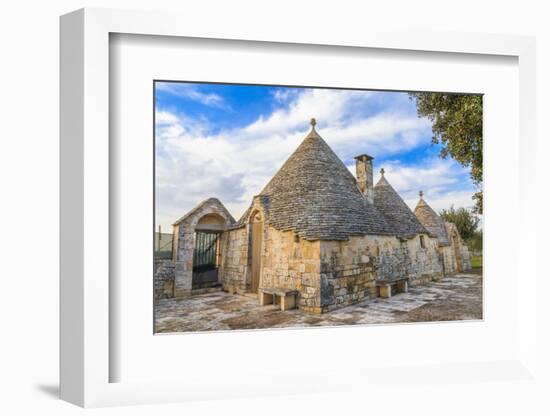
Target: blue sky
227, 141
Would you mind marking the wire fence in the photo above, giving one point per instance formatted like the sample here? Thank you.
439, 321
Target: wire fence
163, 245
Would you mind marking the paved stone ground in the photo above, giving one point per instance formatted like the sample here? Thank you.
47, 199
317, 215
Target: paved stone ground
457, 297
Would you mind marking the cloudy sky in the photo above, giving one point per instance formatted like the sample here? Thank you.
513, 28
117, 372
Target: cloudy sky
227, 141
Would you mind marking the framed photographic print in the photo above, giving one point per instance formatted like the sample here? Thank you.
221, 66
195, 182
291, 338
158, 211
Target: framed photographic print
288, 212
320, 239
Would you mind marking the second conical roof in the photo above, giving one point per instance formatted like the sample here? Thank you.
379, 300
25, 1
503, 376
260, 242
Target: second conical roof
431, 221
396, 211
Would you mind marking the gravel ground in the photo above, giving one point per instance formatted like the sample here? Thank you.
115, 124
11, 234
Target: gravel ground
457, 297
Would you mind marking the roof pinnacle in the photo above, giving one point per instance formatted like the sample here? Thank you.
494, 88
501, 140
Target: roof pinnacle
382, 171
420, 194
313, 122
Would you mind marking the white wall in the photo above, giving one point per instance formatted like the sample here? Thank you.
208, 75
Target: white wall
29, 171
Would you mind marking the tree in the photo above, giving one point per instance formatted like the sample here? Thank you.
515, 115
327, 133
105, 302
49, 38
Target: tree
475, 244
457, 123
465, 220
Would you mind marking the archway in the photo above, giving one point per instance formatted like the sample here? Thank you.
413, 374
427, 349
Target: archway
256, 227
209, 216
206, 251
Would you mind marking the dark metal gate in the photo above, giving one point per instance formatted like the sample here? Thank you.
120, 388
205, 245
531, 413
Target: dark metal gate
205, 259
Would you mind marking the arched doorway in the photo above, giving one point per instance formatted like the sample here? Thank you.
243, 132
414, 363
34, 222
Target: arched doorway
256, 226
458, 254
208, 216
206, 251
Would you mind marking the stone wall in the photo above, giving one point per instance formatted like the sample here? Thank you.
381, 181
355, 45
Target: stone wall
234, 265
450, 261
464, 253
164, 279
292, 263
349, 269
448, 258
286, 262
466, 257
327, 274
424, 262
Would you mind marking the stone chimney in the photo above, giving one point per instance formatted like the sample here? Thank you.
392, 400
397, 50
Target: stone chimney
363, 171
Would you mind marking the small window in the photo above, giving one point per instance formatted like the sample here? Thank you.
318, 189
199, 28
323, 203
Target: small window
422, 242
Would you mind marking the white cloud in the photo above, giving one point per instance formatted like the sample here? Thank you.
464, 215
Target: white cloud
284, 95
443, 181
163, 118
191, 92
234, 165
431, 174
384, 134
444, 199
327, 106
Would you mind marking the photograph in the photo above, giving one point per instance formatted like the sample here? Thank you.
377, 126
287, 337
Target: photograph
285, 207
237, 207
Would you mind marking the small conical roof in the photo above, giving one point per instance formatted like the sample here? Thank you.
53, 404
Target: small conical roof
315, 195
431, 221
396, 211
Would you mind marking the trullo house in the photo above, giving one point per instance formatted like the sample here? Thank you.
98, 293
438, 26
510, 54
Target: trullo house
315, 237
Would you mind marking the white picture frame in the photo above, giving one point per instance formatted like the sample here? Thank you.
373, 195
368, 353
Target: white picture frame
85, 211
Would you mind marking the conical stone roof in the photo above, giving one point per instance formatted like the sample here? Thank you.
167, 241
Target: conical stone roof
431, 221
315, 195
395, 210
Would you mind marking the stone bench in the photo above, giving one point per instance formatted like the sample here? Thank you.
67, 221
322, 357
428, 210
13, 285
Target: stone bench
286, 298
385, 287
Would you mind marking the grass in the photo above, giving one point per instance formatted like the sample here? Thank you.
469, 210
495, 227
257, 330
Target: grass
477, 262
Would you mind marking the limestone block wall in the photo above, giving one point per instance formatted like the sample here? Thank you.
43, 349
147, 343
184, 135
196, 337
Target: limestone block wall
183, 263
164, 279
286, 263
449, 261
393, 260
425, 262
292, 263
466, 257
349, 268
234, 267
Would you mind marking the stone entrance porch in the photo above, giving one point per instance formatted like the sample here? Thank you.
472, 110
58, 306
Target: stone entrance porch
457, 297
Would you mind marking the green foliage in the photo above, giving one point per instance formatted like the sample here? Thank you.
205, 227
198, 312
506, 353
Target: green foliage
465, 220
475, 243
477, 262
457, 123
